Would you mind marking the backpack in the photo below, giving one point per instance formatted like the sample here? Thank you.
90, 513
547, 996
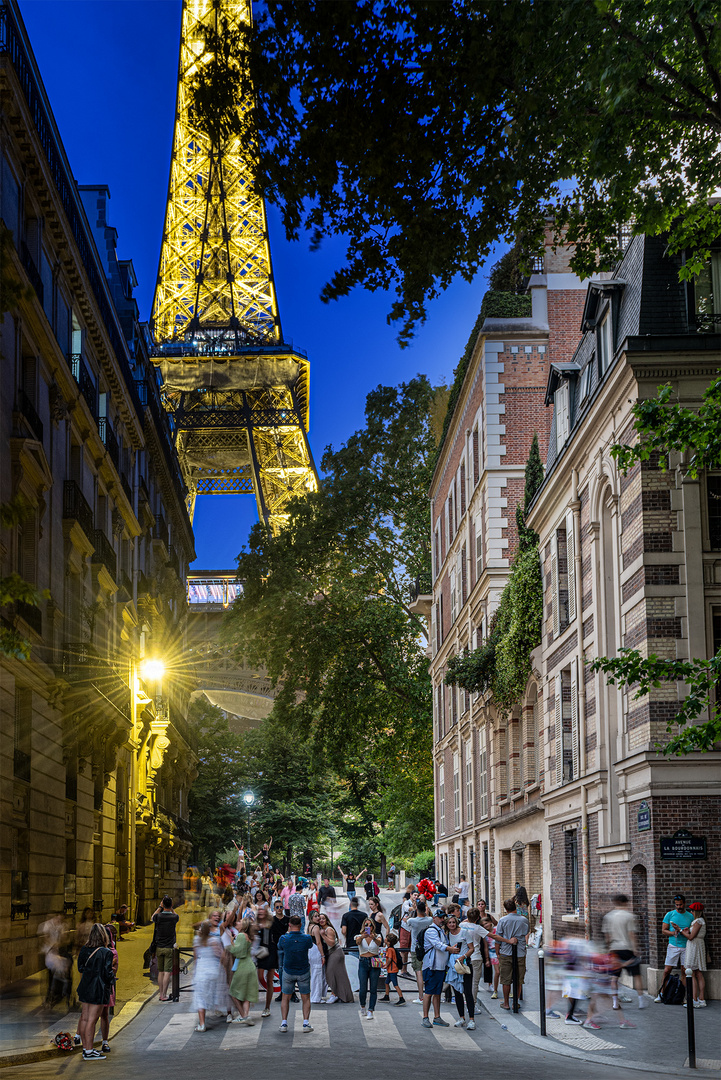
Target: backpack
421, 944
673, 992
395, 916
376, 890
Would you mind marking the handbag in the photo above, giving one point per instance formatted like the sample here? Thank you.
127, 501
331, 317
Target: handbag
461, 967
261, 952
376, 962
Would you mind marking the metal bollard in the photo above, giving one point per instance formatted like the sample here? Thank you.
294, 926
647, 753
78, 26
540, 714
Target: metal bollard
514, 976
542, 989
175, 977
690, 1019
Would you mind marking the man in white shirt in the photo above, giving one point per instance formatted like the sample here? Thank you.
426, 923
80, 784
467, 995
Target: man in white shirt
462, 888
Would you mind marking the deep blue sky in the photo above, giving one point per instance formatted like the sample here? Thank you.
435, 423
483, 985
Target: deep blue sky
110, 68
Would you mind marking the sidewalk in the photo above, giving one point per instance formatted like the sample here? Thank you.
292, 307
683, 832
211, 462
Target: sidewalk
27, 1027
658, 1043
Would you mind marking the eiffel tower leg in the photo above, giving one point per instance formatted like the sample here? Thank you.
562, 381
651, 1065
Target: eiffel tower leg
254, 463
303, 433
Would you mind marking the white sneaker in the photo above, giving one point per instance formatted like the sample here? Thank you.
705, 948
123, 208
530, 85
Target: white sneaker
460, 1023
471, 1025
200, 1027
331, 1000
644, 1000
417, 1001
658, 998
265, 1012
700, 1004
284, 1028
369, 1015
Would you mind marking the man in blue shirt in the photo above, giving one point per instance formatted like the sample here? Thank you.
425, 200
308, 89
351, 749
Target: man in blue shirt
673, 922
294, 967
435, 961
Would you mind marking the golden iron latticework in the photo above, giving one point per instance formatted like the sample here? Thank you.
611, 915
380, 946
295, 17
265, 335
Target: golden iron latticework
239, 397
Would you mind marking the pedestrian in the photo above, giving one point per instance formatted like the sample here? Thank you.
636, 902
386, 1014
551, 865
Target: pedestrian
441, 893
393, 962
293, 950
166, 921
459, 974
335, 970
297, 906
95, 964
349, 881
435, 948
326, 892
392, 877
484, 912
371, 887
404, 934
603, 982
105, 1012
206, 889
674, 923
461, 888
369, 967
351, 924
312, 903
620, 929
416, 922
316, 958
491, 973
511, 930
244, 983
210, 987
696, 954
523, 907
378, 916
278, 928
264, 854
266, 955
240, 866
286, 894
477, 934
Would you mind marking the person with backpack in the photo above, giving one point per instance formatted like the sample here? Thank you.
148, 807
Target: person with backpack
95, 964
416, 921
674, 922
434, 947
371, 887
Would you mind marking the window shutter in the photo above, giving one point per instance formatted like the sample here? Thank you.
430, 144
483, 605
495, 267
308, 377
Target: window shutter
476, 469
529, 747
433, 630
479, 547
575, 743
463, 488
571, 566
448, 523
559, 730
554, 585
453, 595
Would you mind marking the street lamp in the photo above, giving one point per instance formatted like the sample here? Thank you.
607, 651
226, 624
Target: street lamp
153, 670
248, 799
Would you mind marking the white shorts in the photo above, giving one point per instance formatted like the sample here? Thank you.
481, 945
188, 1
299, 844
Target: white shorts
675, 956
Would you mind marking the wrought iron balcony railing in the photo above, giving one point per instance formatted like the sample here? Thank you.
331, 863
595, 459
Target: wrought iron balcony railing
30, 614
105, 553
110, 441
82, 378
160, 530
422, 586
76, 508
32, 271
81, 663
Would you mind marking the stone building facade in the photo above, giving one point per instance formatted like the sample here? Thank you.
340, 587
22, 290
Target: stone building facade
95, 757
488, 767
629, 561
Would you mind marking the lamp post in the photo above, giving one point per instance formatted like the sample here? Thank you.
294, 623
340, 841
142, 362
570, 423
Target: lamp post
248, 799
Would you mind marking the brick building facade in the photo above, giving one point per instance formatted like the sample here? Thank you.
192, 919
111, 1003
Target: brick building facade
628, 561
488, 768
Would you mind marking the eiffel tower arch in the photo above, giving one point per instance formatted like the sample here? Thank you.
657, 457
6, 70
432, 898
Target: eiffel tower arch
238, 395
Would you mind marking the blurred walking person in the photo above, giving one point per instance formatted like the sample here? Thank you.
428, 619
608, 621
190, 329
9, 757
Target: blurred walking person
210, 988
244, 984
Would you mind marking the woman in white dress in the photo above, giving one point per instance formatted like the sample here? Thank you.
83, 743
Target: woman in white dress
316, 957
210, 985
696, 954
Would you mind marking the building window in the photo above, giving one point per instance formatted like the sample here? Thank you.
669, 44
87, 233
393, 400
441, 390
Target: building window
562, 409
462, 583
439, 624
456, 794
469, 784
605, 342
441, 799
436, 553
476, 458
479, 547
454, 610
22, 733
572, 893
713, 499
567, 747
707, 294
19, 874
483, 772
584, 384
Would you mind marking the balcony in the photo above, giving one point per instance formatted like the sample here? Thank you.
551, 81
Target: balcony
110, 441
160, 531
127, 488
85, 383
105, 553
420, 595
76, 508
144, 586
126, 583
27, 411
174, 561
31, 615
82, 664
32, 271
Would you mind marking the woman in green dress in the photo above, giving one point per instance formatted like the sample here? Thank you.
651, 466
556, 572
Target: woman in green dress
244, 983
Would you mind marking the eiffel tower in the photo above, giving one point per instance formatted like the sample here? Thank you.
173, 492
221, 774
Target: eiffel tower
237, 394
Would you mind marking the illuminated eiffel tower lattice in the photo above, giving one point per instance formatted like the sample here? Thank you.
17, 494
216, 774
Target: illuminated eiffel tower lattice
239, 396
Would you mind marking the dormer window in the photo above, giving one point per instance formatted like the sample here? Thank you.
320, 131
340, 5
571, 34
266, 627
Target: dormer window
707, 295
605, 342
584, 383
562, 408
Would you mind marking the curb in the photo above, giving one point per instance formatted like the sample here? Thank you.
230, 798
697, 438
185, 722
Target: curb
127, 1014
516, 1029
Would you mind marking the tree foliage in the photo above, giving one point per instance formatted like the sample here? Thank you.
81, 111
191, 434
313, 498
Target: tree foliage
325, 609
663, 425
423, 132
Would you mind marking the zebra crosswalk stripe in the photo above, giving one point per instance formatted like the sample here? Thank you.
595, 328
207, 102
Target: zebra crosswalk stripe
381, 1032
176, 1032
455, 1039
240, 1037
319, 1037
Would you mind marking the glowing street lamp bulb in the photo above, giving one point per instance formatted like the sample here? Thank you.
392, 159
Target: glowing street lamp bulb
153, 669
249, 798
